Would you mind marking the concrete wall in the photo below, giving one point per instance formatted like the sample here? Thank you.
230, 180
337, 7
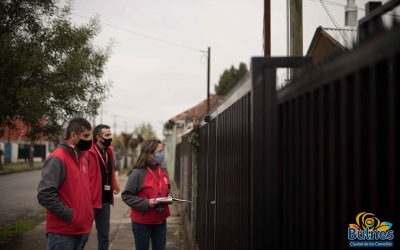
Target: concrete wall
14, 150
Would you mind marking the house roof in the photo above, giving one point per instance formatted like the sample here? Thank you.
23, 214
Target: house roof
344, 38
198, 110
18, 133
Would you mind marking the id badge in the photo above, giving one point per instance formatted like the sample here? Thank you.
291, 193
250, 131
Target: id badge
107, 187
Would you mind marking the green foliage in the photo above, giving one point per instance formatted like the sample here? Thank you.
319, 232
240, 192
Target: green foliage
49, 69
169, 125
11, 231
193, 137
146, 131
230, 78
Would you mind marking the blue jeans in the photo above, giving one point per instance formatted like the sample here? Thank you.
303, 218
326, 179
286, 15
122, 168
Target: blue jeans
66, 242
144, 232
102, 218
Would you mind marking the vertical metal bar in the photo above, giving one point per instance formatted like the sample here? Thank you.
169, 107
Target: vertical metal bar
289, 179
356, 182
296, 172
257, 144
313, 163
332, 202
320, 169
270, 140
207, 186
381, 166
208, 78
393, 134
282, 161
305, 174
343, 136
396, 135
372, 171
365, 137
248, 150
216, 175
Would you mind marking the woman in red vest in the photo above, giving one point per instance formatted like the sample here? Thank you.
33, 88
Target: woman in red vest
148, 181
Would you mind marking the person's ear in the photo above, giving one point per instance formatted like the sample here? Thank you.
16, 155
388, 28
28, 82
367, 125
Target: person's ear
74, 136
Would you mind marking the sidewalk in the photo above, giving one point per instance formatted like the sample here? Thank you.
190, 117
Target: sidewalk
121, 236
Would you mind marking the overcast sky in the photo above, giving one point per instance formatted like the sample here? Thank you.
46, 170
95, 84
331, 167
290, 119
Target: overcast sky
153, 81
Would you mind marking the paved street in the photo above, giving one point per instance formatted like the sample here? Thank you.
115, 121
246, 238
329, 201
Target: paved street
18, 196
120, 229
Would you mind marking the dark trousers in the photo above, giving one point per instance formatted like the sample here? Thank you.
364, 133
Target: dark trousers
144, 232
66, 242
102, 218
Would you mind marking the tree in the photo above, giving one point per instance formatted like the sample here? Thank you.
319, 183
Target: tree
133, 145
49, 69
126, 137
230, 78
146, 131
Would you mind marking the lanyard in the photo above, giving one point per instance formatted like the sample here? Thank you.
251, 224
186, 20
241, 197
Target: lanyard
102, 160
155, 178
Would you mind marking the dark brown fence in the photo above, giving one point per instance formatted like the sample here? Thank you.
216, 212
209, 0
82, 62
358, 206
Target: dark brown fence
291, 169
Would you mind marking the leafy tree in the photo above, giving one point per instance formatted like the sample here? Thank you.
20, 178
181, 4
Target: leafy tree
146, 131
49, 69
230, 78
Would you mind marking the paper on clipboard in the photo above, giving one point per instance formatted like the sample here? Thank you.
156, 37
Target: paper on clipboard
168, 200
164, 200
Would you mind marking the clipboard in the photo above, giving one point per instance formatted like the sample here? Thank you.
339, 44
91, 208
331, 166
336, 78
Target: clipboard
169, 200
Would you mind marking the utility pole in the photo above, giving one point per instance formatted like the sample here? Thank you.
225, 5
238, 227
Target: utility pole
208, 79
267, 28
296, 27
295, 32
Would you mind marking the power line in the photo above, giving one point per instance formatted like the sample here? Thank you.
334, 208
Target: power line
333, 21
344, 5
146, 36
334, 4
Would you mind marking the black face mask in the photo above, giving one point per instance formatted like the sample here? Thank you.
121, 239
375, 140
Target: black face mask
84, 145
106, 142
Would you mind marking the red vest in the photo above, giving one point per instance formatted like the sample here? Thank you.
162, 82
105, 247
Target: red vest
74, 193
150, 190
95, 179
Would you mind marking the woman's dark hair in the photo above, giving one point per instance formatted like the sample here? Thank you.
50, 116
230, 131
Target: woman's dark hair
148, 148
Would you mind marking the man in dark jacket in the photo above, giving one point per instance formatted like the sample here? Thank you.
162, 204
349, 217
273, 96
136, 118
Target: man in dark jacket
64, 189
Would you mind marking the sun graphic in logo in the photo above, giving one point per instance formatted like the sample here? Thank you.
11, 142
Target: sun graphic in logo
366, 220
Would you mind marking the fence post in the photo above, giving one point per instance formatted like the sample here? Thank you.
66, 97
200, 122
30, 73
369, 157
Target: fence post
264, 200
193, 210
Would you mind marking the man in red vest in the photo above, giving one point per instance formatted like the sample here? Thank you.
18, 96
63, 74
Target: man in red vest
64, 189
103, 182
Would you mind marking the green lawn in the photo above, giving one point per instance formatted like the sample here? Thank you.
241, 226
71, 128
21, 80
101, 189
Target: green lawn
19, 167
19, 227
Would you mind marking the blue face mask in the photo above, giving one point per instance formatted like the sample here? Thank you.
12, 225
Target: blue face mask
160, 157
